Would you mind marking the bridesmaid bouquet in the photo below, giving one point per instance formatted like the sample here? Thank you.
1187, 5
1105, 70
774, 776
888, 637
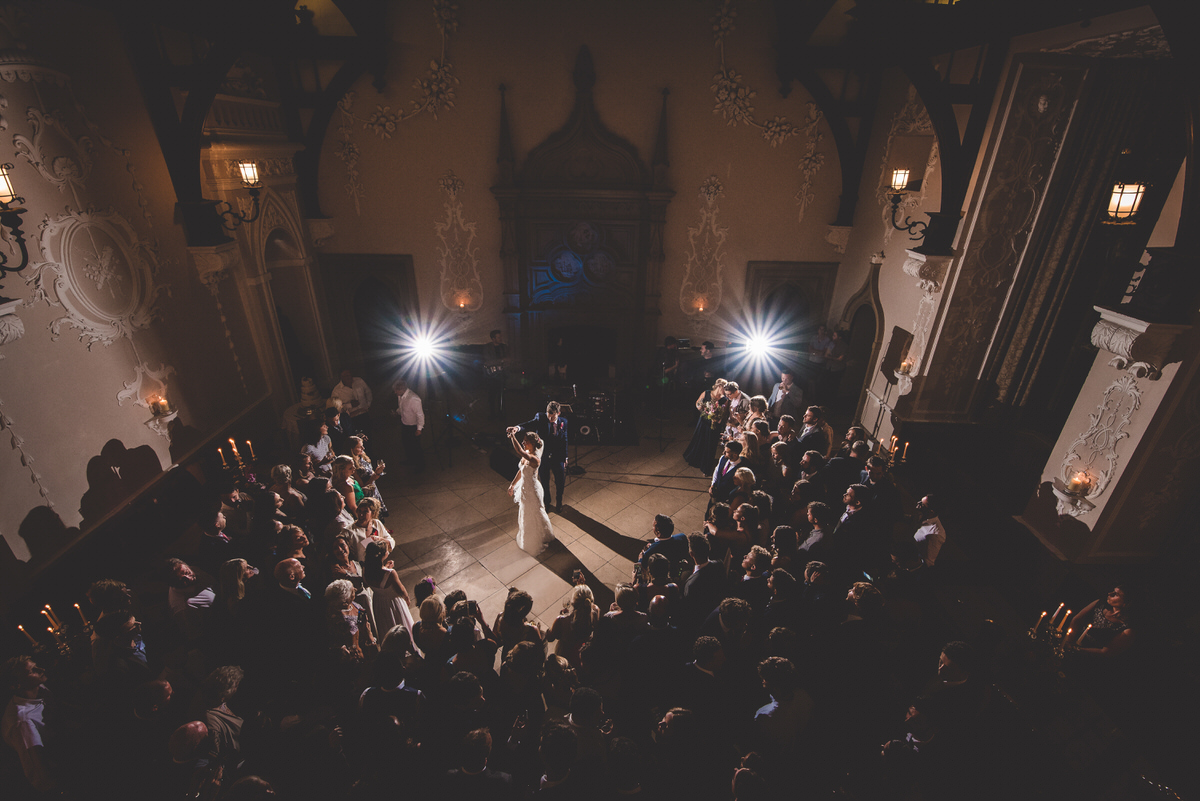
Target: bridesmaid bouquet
716, 413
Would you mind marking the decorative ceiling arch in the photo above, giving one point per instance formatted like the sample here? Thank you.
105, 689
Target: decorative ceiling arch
584, 153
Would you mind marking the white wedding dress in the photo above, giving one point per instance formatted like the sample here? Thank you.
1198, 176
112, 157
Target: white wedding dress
533, 524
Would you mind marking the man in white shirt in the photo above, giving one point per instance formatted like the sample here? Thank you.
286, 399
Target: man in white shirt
356, 399
412, 423
189, 597
931, 535
24, 724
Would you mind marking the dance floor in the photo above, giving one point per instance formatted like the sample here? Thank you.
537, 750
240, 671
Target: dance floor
459, 525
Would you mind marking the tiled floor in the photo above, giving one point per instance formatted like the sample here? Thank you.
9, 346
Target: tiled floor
459, 525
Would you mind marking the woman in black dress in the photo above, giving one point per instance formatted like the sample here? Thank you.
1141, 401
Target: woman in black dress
714, 411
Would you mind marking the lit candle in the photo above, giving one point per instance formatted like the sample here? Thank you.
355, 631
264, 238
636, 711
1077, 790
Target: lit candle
1063, 622
81, 617
54, 617
1079, 483
905, 454
27, 634
895, 439
54, 634
1085, 631
906, 367
49, 619
1056, 611
1038, 625
233, 447
223, 462
1067, 636
251, 447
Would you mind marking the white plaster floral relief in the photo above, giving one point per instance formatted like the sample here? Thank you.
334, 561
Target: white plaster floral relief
436, 91
461, 286
701, 292
1095, 451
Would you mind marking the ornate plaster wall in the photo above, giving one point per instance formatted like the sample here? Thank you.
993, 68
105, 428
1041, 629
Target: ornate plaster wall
112, 308
380, 174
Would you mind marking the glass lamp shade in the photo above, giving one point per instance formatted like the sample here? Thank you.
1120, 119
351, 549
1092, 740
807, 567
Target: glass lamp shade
249, 172
1125, 200
899, 180
7, 193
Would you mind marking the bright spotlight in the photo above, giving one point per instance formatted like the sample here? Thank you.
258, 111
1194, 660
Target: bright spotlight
424, 347
759, 345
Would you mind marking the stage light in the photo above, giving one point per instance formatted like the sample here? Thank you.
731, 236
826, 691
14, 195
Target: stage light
424, 347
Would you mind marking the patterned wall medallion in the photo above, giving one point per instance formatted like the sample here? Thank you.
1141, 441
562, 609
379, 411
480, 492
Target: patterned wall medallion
96, 268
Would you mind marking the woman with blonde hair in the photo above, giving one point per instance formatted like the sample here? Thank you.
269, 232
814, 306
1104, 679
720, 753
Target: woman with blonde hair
365, 473
743, 487
343, 481
574, 625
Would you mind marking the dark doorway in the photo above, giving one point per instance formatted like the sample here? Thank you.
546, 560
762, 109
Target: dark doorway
378, 319
787, 314
298, 358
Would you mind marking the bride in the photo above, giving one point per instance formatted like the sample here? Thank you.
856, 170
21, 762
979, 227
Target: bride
533, 524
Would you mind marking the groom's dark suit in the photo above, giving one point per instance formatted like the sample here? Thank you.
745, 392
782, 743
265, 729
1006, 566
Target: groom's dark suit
554, 457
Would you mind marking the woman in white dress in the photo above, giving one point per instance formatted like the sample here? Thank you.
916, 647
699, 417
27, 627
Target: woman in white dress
389, 597
533, 524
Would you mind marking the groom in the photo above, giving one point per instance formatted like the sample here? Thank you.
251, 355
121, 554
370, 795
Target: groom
553, 430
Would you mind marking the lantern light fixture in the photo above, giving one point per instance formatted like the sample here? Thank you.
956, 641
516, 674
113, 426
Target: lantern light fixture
10, 219
901, 185
248, 172
1125, 200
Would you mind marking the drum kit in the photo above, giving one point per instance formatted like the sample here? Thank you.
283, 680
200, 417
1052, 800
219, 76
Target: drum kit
592, 414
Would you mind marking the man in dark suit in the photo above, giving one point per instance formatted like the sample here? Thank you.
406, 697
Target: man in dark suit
858, 546
666, 541
702, 590
722, 478
552, 428
812, 437
842, 471
882, 494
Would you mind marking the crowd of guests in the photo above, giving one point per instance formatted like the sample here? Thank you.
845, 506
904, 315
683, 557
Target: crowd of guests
768, 655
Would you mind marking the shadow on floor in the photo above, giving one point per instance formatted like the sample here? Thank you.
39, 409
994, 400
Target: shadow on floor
629, 547
559, 559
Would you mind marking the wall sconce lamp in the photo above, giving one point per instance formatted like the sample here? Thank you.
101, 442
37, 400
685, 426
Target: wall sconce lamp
249, 174
10, 218
901, 185
1123, 205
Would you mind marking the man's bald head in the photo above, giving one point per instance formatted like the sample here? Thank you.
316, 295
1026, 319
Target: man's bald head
187, 741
